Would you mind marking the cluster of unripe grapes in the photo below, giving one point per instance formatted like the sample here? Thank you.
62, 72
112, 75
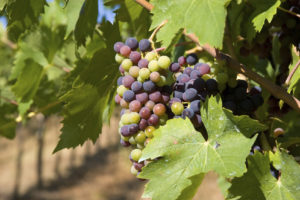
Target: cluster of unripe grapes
148, 99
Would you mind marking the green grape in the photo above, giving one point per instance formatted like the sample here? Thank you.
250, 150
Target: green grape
221, 86
134, 71
149, 131
125, 119
163, 119
119, 58
150, 56
126, 64
125, 138
153, 66
164, 62
222, 78
133, 170
140, 79
134, 118
140, 137
121, 89
232, 82
136, 154
162, 81
132, 140
121, 124
206, 77
177, 108
144, 73
140, 146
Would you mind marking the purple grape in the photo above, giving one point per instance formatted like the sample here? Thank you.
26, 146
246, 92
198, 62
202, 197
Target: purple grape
247, 105
149, 86
125, 131
133, 129
181, 60
142, 97
199, 84
135, 106
204, 69
132, 43
180, 87
195, 74
136, 86
117, 46
150, 104
165, 97
138, 166
256, 148
178, 94
242, 83
143, 63
183, 78
135, 57
155, 97
145, 113
119, 81
128, 95
187, 71
127, 81
257, 100
192, 59
188, 112
118, 99
124, 143
190, 94
145, 45
143, 124
195, 106
174, 67
211, 85
153, 120
125, 50
122, 71
197, 66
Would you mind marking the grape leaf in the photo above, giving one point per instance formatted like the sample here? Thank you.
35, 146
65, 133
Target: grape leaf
263, 184
185, 153
7, 121
86, 23
194, 16
264, 10
72, 10
294, 85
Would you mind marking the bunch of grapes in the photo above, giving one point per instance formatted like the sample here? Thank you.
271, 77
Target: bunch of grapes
142, 93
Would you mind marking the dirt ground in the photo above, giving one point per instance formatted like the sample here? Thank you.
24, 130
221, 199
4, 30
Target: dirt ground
91, 172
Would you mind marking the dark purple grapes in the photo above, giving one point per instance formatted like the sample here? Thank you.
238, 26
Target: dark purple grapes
136, 86
192, 59
125, 131
135, 57
132, 43
242, 83
153, 120
144, 45
149, 86
246, 105
181, 61
128, 95
257, 100
195, 106
188, 112
190, 94
211, 85
230, 105
143, 124
143, 63
174, 67
240, 93
133, 129
117, 46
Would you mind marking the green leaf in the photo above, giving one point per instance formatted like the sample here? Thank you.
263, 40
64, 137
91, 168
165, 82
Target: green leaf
7, 120
185, 153
195, 16
86, 23
72, 10
294, 85
264, 10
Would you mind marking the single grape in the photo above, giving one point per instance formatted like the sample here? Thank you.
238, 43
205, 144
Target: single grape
134, 71
155, 77
139, 79
135, 106
150, 104
142, 97
143, 124
125, 131
133, 171
129, 95
145, 113
140, 137
138, 166
159, 109
145, 45
242, 83
211, 85
124, 104
124, 143
126, 64
118, 99
155, 96
132, 43
134, 117
135, 57
125, 50
188, 71
150, 56
162, 81
140, 146
121, 89
121, 69
174, 67
183, 78
197, 66
126, 139
181, 61
188, 112
192, 59
204, 69
177, 108
149, 86
178, 94
136, 86
153, 66
190, 94
278, 132
144, 73
222, 78
255, 90
119, 81
125, 119
143, 63
149, 131
195, 106
132, 141
153, 120
117, 46
165, 97
119, 58
257, 100
133, 129
256, 148
164, 62
195, 74
127, 81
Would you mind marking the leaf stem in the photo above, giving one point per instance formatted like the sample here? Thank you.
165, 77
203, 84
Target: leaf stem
154, 33
290, 12
288, 79
274, 89
9, 100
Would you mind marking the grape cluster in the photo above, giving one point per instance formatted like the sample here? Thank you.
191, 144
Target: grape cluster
142, 93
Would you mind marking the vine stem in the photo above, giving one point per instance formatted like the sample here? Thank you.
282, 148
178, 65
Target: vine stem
290, 12
288, 79
154, 33
9, 100
274, 89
